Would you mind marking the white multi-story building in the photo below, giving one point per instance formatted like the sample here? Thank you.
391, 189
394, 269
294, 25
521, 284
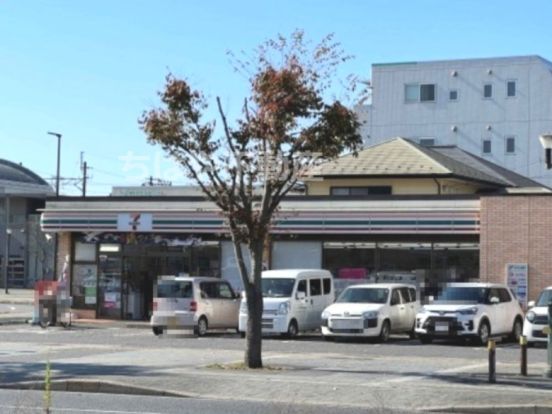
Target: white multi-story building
495, 108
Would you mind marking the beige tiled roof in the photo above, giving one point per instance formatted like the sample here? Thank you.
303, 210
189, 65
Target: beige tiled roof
395, 157
402, 157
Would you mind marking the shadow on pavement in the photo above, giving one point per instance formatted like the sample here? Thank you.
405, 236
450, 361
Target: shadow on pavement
19, 372
537, 382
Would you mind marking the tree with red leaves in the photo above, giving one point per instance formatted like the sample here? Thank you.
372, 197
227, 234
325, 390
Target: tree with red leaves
287, 125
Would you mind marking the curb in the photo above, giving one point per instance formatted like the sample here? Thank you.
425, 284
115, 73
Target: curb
16, 302
94, 386
15, 321
493, 409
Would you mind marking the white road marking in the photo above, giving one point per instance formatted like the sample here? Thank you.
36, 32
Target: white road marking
433, 373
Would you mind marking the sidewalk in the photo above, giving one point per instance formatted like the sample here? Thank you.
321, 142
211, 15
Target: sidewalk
330, 379
16, 306
17, 296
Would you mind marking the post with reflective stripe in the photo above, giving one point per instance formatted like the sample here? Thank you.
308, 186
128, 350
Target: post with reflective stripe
523, 360
549, 369
491, 346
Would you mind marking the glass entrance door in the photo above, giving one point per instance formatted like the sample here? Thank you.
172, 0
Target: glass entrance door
109, 287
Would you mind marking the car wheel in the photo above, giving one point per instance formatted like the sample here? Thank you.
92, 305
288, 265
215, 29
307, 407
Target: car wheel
424, 339
157, 330
412, 332
483, 333
293, 329
328, 338
385, 331
201, 328
517, 330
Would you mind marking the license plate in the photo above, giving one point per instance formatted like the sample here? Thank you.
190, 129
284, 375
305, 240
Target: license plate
345, 324
441, 327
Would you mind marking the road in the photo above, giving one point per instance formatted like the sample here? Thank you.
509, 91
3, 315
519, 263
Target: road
306, 371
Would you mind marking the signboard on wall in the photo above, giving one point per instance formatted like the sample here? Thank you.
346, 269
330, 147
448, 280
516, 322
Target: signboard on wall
134, 222
516, 279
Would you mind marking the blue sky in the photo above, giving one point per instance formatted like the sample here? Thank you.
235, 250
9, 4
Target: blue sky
87, 69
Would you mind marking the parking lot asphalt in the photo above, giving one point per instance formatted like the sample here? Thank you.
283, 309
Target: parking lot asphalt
401, 374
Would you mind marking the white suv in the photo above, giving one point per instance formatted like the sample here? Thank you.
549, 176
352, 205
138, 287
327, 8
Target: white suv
372, 310
476, 310
537, 318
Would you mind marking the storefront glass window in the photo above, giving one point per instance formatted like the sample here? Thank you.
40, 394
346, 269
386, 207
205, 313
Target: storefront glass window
84, 285
456, 262
205, 259
109, 286
85, 252
349, 260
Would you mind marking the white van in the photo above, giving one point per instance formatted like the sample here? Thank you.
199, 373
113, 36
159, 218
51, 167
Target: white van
198, 303
293, 300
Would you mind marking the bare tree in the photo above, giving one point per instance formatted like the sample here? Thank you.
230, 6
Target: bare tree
287, 124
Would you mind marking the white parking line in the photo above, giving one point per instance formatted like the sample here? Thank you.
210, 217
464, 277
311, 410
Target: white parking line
430, 374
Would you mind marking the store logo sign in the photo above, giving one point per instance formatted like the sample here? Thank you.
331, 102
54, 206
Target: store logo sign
133, 222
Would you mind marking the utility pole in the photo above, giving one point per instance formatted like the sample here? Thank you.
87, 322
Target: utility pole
84, 177
58, 136
7, 231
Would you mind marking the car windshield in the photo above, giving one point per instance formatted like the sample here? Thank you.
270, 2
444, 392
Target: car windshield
277, 287
172, 289
463, 294
364, 295
545, 298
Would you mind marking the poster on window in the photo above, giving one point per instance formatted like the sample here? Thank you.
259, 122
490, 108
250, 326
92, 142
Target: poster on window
516, 279
85, 282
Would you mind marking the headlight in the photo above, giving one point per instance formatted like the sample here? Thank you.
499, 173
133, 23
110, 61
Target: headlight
470, 311
370, 315
283, 309
530, 316
325, 315
243, 307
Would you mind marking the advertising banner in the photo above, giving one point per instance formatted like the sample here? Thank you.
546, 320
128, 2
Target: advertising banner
516, 279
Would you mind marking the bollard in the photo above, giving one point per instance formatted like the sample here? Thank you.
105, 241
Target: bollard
548, 372
491, 346
523, 360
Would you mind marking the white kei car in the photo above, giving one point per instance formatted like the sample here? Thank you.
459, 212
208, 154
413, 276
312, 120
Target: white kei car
375, 310
537, 318
471, 310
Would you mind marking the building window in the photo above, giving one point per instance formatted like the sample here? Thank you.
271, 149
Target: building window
412, 93
340, 191
427, 93
511, 89
453, 95
419, 93
85, 252
361, 191
427, 142
486, 146
488, 91
510, 145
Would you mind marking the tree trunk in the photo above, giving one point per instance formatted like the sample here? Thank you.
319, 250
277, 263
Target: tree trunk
254, 292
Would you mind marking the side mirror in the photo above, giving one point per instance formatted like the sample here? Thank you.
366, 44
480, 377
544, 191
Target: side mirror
531, 304
494, 300
300, 295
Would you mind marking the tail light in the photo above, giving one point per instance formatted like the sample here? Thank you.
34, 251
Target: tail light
154, 305
193, 306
